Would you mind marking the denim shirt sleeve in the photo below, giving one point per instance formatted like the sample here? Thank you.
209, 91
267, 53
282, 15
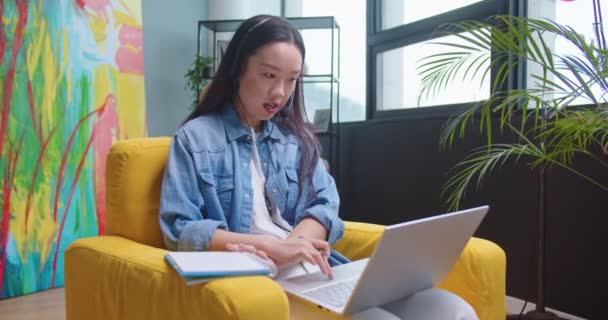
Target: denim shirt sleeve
182, 205
325, 204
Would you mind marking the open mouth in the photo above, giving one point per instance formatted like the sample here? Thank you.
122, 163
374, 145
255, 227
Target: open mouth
271, 107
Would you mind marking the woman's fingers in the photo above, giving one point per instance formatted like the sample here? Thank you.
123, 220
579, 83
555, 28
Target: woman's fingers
232, 247
262, 254
248, 248
319, 244
330, 272
240, 247
288, 252
319, 255
320, 260
324, 265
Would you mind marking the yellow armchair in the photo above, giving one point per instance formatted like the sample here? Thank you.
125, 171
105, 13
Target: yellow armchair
123, 275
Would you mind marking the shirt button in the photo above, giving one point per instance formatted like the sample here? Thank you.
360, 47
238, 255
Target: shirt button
274, 190
246, 195
244, 164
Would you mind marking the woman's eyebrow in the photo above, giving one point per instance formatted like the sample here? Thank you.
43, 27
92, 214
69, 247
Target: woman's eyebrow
268, 65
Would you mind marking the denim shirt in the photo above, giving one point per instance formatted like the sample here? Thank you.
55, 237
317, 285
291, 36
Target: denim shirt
207, 182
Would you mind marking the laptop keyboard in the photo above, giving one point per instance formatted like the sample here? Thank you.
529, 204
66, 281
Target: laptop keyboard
335, 294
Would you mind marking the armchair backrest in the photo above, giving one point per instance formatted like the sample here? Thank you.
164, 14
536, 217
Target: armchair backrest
134, 173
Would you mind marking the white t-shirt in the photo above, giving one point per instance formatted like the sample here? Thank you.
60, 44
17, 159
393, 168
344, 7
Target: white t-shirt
266, 216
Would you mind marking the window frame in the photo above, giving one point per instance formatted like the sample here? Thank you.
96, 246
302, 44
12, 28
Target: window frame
379, 40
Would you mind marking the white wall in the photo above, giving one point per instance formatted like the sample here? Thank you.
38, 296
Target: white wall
169, 32
241, 9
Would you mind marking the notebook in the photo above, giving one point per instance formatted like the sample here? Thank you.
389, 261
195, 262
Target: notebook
410, 257
202, 266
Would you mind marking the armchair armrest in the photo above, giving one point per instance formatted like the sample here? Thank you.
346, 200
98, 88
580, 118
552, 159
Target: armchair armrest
115, 278
360, 239
478, 276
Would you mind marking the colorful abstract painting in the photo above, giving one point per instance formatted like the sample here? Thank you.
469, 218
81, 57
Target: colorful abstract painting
71, 84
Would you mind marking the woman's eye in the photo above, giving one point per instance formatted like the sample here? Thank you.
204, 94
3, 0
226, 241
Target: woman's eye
293, 80
268, 75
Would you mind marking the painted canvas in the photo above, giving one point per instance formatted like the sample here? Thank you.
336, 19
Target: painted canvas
71, 84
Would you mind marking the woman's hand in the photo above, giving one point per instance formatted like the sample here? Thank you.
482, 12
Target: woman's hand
291, 251
288, 252
239, 247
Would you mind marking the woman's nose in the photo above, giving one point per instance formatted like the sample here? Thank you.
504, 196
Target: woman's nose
278, 91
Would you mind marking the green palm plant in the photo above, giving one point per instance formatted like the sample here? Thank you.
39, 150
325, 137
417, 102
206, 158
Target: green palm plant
550, 130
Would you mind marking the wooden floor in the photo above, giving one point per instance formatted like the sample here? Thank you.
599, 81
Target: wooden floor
45, 305
50, 305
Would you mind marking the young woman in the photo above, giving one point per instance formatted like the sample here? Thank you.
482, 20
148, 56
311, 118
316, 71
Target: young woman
244, 173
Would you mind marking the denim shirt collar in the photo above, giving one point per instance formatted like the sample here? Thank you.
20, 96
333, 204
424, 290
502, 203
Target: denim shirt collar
235, 128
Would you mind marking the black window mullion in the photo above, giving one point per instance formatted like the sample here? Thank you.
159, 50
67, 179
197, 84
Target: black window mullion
424, 29
516, 79
373, 24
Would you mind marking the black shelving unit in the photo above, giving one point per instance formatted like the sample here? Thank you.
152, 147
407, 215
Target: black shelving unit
207, 41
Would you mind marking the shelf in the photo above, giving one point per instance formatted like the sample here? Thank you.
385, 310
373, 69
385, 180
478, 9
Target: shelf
299, 22
316, 78
314, 22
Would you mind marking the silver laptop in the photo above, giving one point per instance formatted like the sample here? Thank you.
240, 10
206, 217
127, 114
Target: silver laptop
410, 257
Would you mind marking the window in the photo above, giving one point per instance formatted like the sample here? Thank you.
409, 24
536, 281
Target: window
398, 12
399, 88
403, 32
352, 57
577, 14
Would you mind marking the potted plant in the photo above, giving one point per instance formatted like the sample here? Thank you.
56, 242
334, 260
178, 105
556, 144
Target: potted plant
550, 130
198, 76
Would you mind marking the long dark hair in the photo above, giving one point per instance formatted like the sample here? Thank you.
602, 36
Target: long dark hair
252, 34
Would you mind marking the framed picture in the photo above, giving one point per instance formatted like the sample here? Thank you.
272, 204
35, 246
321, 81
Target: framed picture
220, 49
321, 120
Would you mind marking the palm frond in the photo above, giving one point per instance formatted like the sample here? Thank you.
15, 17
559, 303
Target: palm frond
510, 41
477, 166
578, 129
485, 160
548, 132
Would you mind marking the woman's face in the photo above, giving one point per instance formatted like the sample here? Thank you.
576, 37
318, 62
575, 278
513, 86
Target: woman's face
269, 79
